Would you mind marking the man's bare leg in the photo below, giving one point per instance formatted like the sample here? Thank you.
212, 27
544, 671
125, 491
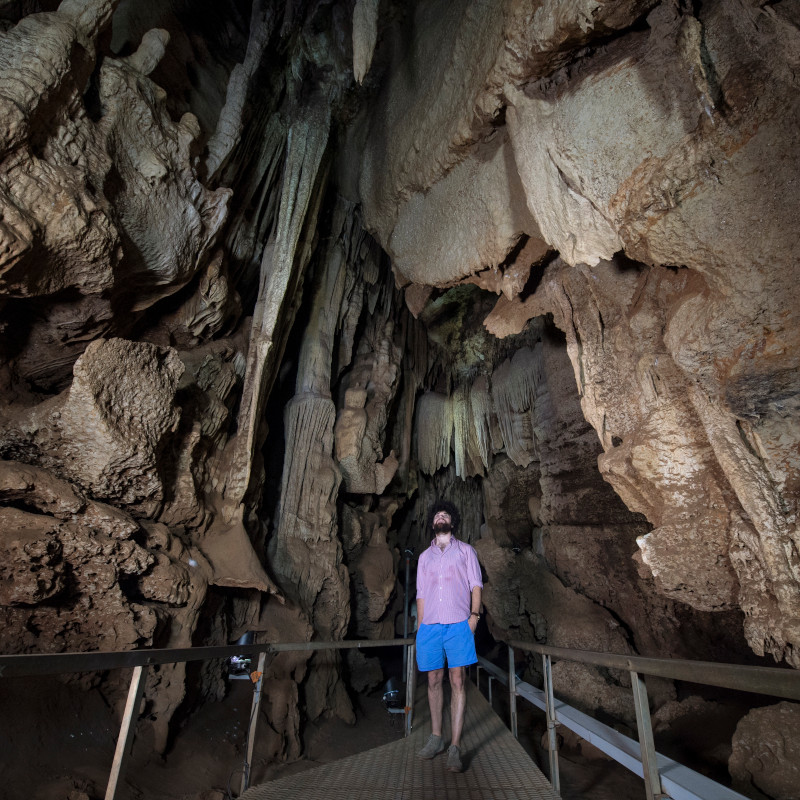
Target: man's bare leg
436, 699
458, 704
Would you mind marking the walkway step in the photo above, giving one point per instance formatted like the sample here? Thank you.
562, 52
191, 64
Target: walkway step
495, 767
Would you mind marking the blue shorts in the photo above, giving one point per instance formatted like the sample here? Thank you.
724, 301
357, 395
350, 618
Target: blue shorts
455, 641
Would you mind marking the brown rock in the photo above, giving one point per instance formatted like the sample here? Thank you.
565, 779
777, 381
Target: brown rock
107, 431
32, 569
766, 751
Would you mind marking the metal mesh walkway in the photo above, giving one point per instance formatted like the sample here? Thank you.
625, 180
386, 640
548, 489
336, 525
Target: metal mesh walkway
495, 767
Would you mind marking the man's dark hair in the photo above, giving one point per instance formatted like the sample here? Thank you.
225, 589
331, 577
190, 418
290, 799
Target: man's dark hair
447, 507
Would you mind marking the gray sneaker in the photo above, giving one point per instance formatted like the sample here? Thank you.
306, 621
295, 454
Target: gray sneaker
454, 759
432, 748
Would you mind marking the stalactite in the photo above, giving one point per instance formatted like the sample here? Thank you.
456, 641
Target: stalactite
434, 431
365, 34
362, 272
513, 390
232, 117
308, 138
481, 405
257, 177
311, 478
465, 438
415, 367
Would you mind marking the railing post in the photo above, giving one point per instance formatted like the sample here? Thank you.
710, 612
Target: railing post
126, 730
411, 686
478, 676
552, 740
512, 691
405, 614
652, 780
251, 728
491, 678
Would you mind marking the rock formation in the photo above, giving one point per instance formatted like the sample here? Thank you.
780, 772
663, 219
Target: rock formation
765, 751
275, 276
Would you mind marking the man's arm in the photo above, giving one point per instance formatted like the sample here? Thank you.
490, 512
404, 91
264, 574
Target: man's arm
420, 610
475, 605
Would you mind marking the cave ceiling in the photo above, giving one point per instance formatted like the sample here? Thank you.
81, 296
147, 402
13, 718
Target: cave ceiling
275, 275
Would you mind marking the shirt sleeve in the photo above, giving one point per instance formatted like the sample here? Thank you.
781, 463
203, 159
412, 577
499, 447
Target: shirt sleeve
422, 583
473, 569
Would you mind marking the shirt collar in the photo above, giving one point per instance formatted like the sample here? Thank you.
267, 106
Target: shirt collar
453, 541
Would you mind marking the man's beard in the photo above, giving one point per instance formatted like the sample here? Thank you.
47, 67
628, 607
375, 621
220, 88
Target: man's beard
442, 528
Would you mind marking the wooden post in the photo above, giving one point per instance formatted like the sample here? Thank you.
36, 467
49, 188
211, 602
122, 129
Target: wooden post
126, 730
251, 730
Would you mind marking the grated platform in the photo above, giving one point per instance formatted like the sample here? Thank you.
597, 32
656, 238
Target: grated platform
495, 767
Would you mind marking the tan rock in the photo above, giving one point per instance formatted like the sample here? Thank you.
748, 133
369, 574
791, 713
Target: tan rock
168, 219
65, 581
432, 128
469, 220
56, 233
361, 422
373, 570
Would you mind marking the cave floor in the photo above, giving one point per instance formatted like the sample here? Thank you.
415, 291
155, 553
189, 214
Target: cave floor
496, 767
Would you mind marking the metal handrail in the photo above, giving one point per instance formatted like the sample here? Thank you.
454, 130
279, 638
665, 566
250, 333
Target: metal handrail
35, 664
773, 681
776, 681
56, 663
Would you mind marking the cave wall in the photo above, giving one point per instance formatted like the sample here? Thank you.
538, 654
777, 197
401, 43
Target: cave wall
161, 191
655, 150
275, 276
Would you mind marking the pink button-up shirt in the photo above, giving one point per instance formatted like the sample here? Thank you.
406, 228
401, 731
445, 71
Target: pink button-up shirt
445, 580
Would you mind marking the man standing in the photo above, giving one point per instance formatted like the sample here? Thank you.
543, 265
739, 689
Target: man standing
448, 609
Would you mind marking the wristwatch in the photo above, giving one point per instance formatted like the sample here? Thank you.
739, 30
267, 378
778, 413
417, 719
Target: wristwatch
475, 614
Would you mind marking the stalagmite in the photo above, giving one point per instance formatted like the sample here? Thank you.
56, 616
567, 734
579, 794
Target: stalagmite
370, 386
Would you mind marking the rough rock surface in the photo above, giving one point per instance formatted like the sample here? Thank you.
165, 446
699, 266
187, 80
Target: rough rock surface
72, 568
765, 751
373, 570
107, 431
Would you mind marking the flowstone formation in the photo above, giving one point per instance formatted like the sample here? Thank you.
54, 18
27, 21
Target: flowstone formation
275, 276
